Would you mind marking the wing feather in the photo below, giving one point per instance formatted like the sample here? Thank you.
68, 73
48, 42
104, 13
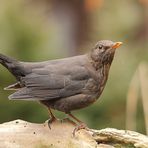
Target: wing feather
52, 83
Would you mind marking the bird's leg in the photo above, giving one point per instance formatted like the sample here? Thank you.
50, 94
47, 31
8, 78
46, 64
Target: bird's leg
73, 117
66, 119
52, 117
81, 124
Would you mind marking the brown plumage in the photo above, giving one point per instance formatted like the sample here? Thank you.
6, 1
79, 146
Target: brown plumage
63, 84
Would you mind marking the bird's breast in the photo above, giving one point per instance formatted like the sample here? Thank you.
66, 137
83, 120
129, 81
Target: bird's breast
96, 84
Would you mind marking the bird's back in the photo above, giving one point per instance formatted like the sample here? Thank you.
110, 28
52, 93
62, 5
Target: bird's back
65, 62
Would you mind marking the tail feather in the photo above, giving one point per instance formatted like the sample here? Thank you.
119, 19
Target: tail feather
19, 70
13, 66
5, 60
15, 86
22, 94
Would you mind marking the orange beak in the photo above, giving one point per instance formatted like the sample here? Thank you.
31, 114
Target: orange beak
116, 45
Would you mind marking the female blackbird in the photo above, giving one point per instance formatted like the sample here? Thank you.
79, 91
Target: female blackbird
63, 84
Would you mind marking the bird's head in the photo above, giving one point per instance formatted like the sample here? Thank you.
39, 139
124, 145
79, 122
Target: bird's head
104, 51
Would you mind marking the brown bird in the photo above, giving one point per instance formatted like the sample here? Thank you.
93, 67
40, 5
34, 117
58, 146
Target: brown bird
63, 84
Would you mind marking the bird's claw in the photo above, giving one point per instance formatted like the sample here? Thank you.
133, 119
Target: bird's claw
51, 120
79, 127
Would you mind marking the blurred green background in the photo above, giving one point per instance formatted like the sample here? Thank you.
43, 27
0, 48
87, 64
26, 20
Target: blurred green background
37, 30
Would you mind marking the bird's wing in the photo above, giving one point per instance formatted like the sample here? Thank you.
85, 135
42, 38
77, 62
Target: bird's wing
52, 82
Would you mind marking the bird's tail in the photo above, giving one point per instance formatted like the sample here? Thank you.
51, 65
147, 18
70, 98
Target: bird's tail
14, 66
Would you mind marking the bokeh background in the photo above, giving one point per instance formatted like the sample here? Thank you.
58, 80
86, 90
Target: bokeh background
37, 30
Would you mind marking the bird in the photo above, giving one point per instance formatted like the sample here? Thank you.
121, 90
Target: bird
66, 84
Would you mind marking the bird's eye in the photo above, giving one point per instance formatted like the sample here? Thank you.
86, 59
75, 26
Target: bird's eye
100, 47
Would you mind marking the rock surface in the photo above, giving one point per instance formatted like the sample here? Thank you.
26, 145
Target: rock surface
24, 134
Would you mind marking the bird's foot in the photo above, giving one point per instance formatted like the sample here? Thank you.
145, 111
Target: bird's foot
79, 127
51, 120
